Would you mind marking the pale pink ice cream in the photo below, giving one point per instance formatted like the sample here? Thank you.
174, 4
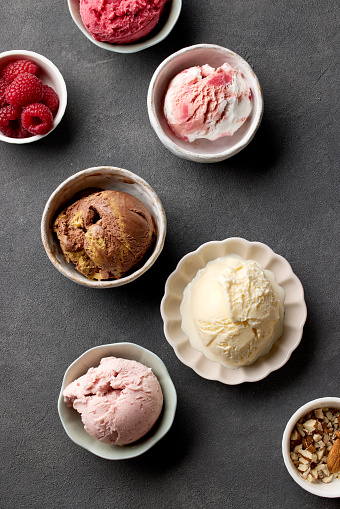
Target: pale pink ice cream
119, 401
203, 102
120, 21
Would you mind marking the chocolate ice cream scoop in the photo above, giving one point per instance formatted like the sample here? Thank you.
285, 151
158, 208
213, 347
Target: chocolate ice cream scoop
105, 234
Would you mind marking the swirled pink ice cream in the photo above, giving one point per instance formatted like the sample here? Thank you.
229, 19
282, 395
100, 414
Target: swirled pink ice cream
120, 21
119, 401
203, 102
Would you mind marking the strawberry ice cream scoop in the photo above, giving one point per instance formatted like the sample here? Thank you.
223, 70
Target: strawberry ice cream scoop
203, 102
119, 401
120, 21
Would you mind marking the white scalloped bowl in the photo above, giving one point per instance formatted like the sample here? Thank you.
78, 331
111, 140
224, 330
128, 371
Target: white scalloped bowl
71, 419
331, 490
294, 319
160, 32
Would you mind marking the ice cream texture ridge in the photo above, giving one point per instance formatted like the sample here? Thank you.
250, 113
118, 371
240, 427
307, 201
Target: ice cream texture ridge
204, 102
119, 401
120, 21
232, 311
105, 234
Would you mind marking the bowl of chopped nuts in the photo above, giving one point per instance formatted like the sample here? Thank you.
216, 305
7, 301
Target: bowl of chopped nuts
311, 447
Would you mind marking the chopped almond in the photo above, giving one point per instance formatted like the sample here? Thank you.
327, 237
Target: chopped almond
311, 448
310, 425
312, 443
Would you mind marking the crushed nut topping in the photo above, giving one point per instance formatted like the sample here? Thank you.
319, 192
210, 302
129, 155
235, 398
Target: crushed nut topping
311, 442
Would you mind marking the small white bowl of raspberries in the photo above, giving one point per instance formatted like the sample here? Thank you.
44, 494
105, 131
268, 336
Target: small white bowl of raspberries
33, 96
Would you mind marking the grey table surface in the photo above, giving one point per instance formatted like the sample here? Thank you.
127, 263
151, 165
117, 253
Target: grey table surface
224, 449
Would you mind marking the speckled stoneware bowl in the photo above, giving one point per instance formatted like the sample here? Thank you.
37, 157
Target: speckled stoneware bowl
163, 28
202, 150
50, 75
330, 490
294, 307
102, 177
71, 419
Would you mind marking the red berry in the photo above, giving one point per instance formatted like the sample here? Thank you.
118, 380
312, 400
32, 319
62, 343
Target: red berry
9, 113
3, 87
25, 89
37, 118
10, 71
10, 122
15, 131
51, 99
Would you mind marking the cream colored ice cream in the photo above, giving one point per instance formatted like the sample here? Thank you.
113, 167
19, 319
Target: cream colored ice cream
119, 401
232, 311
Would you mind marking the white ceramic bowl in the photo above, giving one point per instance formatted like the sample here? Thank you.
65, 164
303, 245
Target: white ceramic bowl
331, 490
71, 419
294, 318
50, 75
160, 32
102, 177
202, 151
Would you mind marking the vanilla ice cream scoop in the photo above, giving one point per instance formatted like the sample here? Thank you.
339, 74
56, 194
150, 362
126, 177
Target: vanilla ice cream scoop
248, 293
203, 102
232, 311
119, 401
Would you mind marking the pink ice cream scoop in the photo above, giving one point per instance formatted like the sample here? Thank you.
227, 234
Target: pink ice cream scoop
119, 401
203, 102
120, 21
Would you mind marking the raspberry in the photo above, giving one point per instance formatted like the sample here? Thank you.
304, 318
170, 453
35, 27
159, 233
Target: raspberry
8, 113
10, 123
3, 87
37, 118
15, 130
51, 99
25, 89
13, 69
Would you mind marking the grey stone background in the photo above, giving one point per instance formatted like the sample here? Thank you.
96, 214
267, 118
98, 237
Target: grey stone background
224, 449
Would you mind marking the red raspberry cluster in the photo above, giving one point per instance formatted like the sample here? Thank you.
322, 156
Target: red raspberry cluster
27, 106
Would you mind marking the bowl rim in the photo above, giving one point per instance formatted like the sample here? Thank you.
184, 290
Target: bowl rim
170, 391
62, 97
264, 365
112, 283
300, 412
174, 12
182, 152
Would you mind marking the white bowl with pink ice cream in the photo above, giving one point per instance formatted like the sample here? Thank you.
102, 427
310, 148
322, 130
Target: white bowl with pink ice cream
125, 27
205, 103
117, 400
